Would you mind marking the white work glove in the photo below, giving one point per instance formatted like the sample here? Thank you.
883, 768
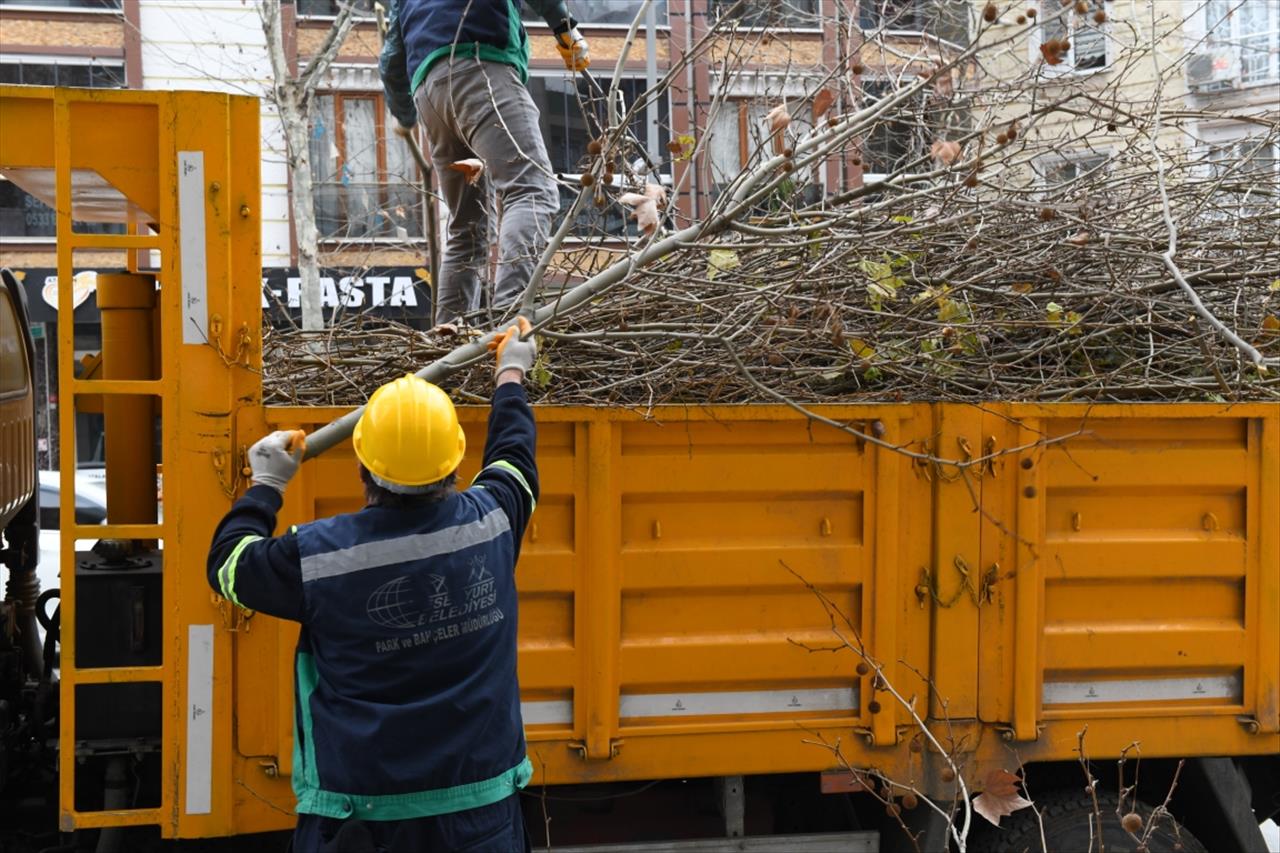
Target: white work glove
573, 49
512, 352
274, 459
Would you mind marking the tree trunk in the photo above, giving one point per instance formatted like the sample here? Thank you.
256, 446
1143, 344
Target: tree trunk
296, 128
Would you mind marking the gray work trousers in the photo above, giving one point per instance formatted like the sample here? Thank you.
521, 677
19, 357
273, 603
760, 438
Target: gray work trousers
473, 108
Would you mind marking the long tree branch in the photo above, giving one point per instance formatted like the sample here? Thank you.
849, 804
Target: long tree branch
310, 77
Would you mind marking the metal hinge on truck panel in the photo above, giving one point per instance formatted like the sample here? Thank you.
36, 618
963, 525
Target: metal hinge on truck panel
229, 480
580, 747
989, 457
244, 343
982, 594
234, 618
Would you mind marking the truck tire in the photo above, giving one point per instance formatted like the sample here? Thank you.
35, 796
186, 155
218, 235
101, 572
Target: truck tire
1067, 816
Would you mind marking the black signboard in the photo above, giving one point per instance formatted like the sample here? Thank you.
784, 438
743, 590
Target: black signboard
397, 293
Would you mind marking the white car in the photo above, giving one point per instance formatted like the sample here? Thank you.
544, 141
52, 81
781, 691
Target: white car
91, 508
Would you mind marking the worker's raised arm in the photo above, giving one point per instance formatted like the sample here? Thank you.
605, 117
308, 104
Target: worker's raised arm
554, 12
393, 65
248, 566
510, 473
569, 40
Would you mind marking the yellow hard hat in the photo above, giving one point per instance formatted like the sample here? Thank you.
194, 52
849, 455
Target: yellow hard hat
409, 435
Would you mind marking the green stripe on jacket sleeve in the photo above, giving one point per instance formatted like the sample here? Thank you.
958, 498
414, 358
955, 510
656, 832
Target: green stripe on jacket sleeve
504, 465
227, 571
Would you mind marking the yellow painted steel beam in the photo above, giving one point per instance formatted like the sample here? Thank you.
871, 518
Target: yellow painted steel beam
117, 241
1028, 582
955, 533
73, 820
61, 139
120, 531
598, 604
1265, 443
117, 386
120, 675
887, 591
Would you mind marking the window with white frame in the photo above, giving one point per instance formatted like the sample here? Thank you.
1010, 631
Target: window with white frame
789, 14
1248, 33
23, 216
594, 12
1060, 171
945, 19
1243, 167
1086, 37
739, 136
899, 137
1062, 177
561, 101
1259, 157
367, 187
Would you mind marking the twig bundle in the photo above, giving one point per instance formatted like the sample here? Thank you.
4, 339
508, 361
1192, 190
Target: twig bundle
972, 271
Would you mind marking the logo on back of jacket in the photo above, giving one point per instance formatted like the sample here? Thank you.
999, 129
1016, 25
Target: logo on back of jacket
434, 611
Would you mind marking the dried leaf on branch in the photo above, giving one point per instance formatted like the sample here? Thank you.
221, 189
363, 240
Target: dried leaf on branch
1000, 797
471, 167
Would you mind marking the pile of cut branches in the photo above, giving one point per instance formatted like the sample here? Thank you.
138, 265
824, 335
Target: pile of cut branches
975, 269
987, 301
999, 292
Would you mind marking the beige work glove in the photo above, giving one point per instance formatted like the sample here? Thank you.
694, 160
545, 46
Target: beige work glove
573, 49
515, 349
275, 458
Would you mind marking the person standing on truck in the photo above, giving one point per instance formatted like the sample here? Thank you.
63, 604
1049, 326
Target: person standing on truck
407, 727
462, 66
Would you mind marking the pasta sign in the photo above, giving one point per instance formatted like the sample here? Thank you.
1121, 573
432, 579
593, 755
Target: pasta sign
398, 290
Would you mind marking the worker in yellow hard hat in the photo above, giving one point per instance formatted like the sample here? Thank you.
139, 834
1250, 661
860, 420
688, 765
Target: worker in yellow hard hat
407, 731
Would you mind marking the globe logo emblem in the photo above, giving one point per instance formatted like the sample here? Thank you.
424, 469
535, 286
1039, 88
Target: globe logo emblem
392, 605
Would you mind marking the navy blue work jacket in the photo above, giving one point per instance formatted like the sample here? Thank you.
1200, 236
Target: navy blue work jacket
407, 703
422, 32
